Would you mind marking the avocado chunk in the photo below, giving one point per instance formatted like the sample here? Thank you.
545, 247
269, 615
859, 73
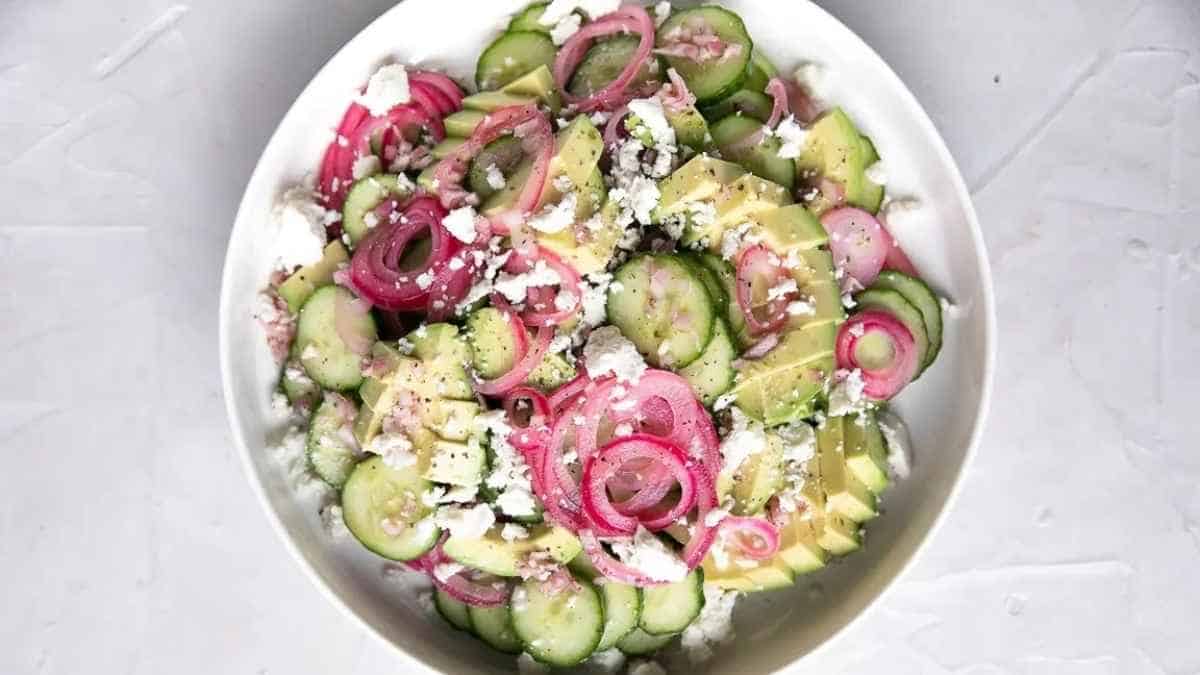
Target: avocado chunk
756, 480
536, 86
488, 101
446, 148
699, 179
798, 547
691, 129
835, 533
866, 452
835, 149
305, 281
781, 387
493, 554
788, 228
844, 493
812, 270
462, 123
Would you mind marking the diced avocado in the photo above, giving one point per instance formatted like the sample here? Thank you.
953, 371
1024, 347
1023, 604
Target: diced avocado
493, 554
306, 280
747, 198
577, 151
772, 574
449, 418
745, 575
840, 535
690, 127
844, 493
462, 123
445, 354
700, 179
798, 547
588, 249
780, 387
836, 150
446, 147
866, 453
537, 84
813, 271
488, 101
553, 372
453, 462
756, 480
834, 532
380, 393
790, 227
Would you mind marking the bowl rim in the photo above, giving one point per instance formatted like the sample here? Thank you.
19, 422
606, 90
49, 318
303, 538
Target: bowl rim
988, 315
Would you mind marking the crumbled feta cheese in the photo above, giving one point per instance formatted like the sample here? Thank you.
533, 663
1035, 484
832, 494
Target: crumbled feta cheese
300, 228
608, 351
731, 240
782, 289
793, 136
814, 78
495, 178
801, 307
465, 523
647, 553
395, 449
367, 165
661, 11
555, 218
387, 88
724, 401
565, 28
557, 9
651, 114
515, 286
877, 173
646, 667
517, 501
713, 627
846, 397
513, 532
461, 223
623, 429
895, 434
510, 474
425, 280
848, 301
800, 442
746, 437
443, 571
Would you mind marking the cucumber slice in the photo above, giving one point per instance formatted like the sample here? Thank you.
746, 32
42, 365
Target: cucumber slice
493, 350
512, 55
733, 312
300, 389
331, 449
898, 306
716, 289
494, 626
713, 79
376, 493
748, 103
529, 19
639, 643
605, 60
763, 159
712, 374
366, 194
455, 612
663, 308
668, 609
505, 154
319, 346
304, 281
559, 630
622, 609
759, 72
917, 293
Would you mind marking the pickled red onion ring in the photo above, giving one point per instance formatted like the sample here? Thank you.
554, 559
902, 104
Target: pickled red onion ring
628, 19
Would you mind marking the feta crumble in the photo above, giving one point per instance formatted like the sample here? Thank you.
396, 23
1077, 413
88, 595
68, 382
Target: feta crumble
661, 11
565, 28
554, 218
300, 228
608, 351
745, 438
793, 137
461, 223
395, 449
712, 628
495, 178
387, 88
846, 397
367, 165
514, 287
647, 553
465, 523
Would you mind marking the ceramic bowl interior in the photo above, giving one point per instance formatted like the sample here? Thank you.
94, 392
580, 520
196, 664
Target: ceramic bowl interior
944, 409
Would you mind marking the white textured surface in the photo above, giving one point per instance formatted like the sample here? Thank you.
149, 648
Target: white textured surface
130, 543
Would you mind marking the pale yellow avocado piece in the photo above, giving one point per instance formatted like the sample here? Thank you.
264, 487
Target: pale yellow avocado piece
756, 480
462, 124
305, 281
577, 151
700, 179
788, 228
493, 554
834, 532
746, 199
487, 101
798, 546
447, 147
813, 271
537, 84
781, 386
866, 452
844, 493
380, 393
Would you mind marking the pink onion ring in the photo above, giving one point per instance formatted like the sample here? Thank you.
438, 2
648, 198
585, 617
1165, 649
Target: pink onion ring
374, 268
858, 242
703, 535
540, 412
756, 538
885, 382
521, 370
606, 462
780, 107
562, 396
610, 566
451, 286
759, 264
459, 586
443, 84
628, 19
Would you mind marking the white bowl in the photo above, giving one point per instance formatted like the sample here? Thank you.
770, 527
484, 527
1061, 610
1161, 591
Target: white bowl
944, 409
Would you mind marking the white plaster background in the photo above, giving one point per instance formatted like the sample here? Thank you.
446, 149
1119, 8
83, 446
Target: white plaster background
129, 542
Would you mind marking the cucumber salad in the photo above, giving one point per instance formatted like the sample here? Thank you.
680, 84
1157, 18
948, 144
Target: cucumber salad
606, 343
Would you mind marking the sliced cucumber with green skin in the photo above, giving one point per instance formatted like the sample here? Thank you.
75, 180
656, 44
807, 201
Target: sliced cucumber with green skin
763, 159
493, 349
759, 72
300, 389
663, 308
733, 312
605, 60
622, 609
562, 629
918, 294
905, 312
529, 19
376, 493
455, 612
713, 79
753, 104
712, 374
640, 643
716, 289
331, 448
494, 626
512, 55
319, 345
505, 154
669, 608
366, 194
